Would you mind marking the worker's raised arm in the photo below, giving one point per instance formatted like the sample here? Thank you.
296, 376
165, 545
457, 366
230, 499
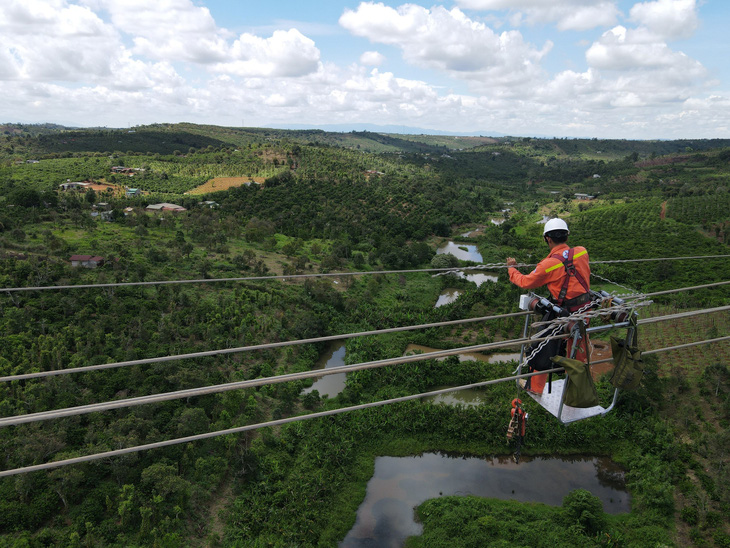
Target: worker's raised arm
536, 278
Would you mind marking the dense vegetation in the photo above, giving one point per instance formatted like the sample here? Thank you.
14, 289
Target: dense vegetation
333, 203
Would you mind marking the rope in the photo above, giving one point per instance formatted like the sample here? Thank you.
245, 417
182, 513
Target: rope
238, 385
279, 422
443, 271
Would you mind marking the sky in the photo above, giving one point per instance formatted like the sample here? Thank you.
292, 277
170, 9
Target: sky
555, 68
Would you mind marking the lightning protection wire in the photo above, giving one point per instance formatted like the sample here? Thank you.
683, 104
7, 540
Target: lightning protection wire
441, 271
279, 422
209, 353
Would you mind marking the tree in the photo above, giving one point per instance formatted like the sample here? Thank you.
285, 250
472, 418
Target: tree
26, 197
444, 260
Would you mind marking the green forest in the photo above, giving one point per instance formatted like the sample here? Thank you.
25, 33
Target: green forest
271, 262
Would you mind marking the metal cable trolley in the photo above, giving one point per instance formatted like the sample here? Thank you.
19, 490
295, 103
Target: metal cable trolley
574, 328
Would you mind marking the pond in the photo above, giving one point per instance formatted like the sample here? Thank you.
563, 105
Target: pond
331, 385
474, 233
399, 484
480, 278
469, 396
464, 252
449, 295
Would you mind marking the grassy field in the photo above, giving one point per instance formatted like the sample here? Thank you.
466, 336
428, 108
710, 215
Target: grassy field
224, 183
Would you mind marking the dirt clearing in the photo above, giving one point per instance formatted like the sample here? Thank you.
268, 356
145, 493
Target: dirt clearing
224, 183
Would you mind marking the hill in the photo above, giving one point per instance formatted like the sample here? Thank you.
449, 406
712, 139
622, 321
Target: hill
326, 206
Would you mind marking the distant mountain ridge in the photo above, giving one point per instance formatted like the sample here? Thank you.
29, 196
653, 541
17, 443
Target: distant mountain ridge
375, 128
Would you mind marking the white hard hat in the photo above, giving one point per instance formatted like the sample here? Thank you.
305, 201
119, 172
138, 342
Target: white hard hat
555, 224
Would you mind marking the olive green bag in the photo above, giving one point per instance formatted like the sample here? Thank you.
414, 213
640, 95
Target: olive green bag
580, 390
628, 365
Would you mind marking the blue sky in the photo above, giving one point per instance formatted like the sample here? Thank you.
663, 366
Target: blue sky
576, 68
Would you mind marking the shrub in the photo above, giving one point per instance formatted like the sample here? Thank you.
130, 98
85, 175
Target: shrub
583, 508
690, 515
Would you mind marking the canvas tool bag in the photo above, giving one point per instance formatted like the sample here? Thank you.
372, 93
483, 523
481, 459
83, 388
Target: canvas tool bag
580, 390
628, 365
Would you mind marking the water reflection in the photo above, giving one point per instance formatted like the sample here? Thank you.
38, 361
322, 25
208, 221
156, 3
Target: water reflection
467, 356
447, 296
479, 279
331, 385
464, 252
468, 396
385, 518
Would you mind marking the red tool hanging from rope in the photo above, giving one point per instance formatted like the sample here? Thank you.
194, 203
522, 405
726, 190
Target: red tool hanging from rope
517, 426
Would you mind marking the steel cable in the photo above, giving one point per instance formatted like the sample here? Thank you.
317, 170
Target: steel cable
209, 353
238, 385
441, 271
279, 422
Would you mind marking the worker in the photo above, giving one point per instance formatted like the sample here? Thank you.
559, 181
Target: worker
565, 272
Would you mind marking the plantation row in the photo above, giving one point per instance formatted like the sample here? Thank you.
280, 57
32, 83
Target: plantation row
708, 208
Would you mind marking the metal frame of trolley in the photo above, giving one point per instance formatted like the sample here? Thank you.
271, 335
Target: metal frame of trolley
552, 399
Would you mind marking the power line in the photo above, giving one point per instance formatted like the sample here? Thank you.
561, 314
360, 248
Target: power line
208, 353
239, 385
669, 291
442, 271
279, 422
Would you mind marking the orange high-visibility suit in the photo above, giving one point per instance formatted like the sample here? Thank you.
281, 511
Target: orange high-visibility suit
551, 272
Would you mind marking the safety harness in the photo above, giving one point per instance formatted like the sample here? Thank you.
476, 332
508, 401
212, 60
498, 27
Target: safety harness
570, 271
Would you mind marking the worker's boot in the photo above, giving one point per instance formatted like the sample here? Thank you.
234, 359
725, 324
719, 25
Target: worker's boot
534, 384
537, 383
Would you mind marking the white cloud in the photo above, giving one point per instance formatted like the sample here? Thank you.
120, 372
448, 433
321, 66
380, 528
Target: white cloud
285, 53
168, 29
115, 62
447, 40
621, 49
372, 58
54, 41
179, 30
669, 19
567, 14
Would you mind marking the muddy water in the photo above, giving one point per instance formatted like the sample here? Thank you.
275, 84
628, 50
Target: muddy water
470, 396
331, 384
399, 484
469, 254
